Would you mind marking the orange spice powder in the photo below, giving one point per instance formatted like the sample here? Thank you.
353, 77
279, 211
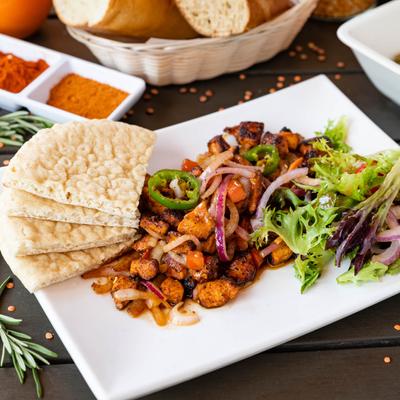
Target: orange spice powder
17, 73
85, 97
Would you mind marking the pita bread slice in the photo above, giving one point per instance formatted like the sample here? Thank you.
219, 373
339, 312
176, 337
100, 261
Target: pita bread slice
96, 164
24, 204
29, 236
37, 272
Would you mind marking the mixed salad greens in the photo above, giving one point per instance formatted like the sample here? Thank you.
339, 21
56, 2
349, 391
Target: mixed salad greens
344, 206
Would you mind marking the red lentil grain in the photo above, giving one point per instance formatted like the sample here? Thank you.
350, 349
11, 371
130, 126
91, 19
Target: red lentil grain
221, 109
242, 77
247, 97
292, 53
387, 360
297, 78
10, 285
6, 162
340, 64
280, 85
154, 91
11, 308
183, 90
303, 56
147, 96
397, 327
209, 93
281, 78
150, 110
193, 90
1, 145
203, 99
321, 58
49, 335
299, 48
337, 77
272, 90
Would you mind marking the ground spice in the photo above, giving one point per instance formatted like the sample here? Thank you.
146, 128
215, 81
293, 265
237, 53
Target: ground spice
85, 97
17, 73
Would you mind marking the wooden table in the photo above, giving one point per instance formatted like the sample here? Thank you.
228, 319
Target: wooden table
342, 361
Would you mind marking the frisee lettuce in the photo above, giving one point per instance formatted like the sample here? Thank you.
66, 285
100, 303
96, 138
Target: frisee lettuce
371, 272
336, 132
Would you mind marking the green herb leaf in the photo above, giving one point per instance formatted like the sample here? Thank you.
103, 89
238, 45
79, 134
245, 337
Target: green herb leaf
394, 268
4, 284
5, 319
337, 134
43, 350
38, 385
371, 272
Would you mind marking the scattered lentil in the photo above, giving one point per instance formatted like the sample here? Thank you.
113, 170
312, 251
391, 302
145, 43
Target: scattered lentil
248, 93
6, 162
1, 145
221, 109
397, 327
150, 110
340, 64
247, 97
154, 91
240, 102
292, 53
49, 335
242, 77
303, 56
11, 308
297, 78
387, 360
338, 77
10, 285
321, 58
193, 90
311, 45
203, 98
209, 93
272, 90
183, 90
281, 78
280, 85
320, 51
131, 112
299, 48
147, 96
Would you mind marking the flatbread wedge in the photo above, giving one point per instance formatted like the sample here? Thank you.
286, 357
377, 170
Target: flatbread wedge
39, 271
97, 164
24, 204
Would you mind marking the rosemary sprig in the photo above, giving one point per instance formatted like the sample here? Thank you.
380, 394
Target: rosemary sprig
16, 128
23, 353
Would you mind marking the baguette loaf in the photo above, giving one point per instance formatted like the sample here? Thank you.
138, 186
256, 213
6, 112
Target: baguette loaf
137, 18
219, 18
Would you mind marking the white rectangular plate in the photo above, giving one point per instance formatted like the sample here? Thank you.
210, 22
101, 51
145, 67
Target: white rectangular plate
123, 358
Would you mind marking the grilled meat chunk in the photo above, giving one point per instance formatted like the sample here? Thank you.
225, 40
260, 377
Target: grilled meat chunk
172, 217
146, 268
197, 222
240, 160
241, 244
136, 307
248, 134
122, 282
182, 248
208, 246
281, 254
217, 145
216, 293
154, 224
256, 191
279, 141
189, 284
172, 290
147, 203
144, 243
175, 269
242, 269
293, 139
209, 272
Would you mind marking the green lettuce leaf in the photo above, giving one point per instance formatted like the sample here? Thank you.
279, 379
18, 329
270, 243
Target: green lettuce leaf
394, 268
302, 228
309, 268
337, 134
370, 272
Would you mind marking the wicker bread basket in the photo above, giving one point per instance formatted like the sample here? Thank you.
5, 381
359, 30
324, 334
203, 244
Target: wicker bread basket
180, 62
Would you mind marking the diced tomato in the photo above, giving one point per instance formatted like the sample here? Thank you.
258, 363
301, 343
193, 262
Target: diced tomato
374, 189
236, 191
195, 260
188, 165
361, 168
296, 163
257, 259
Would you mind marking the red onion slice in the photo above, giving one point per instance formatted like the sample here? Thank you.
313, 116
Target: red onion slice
182, 239
391, 219
390, 255
396, 211
220, 239
242, 233
217, 161
234, 164
154, 289
257, 221
213, 187
268, 250
390, 235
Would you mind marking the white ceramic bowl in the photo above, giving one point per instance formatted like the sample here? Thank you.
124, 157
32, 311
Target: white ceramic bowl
374, 38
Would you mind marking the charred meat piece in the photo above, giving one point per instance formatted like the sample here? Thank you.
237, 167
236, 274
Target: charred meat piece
172, 217
249, 134
209, 272
144, 243
122, 282
136, 307
146, 268
217, 145
172, 290
281, 254
242, 269
197, 222
216, 293
209, 246
240, 160
154, 224
256, 192
182, 248
279, 141
191, 166
293, 139
241, 244
147, 203
175, 269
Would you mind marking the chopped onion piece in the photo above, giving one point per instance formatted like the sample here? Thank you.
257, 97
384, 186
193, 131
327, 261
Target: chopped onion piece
230, 139
179, 258
390, 255
131, 294
390, 235
154, 234
233, 221
216, 162
213, 187
268, 250
182, 317
157, 251
182, 239
242, 233
257, 221
305, 180
174, 185
220, 238
234, 164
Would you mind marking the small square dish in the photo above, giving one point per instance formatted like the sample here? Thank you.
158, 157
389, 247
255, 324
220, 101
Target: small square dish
376, 47
124, 358
34, 96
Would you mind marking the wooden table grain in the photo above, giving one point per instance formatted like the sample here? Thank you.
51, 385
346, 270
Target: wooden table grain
343, 361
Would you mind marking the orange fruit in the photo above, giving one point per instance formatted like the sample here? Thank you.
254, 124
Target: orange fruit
21, 18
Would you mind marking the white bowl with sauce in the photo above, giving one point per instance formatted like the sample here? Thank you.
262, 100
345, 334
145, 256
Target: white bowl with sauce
374, 39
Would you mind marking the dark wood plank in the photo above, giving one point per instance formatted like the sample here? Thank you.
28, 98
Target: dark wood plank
333, 375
